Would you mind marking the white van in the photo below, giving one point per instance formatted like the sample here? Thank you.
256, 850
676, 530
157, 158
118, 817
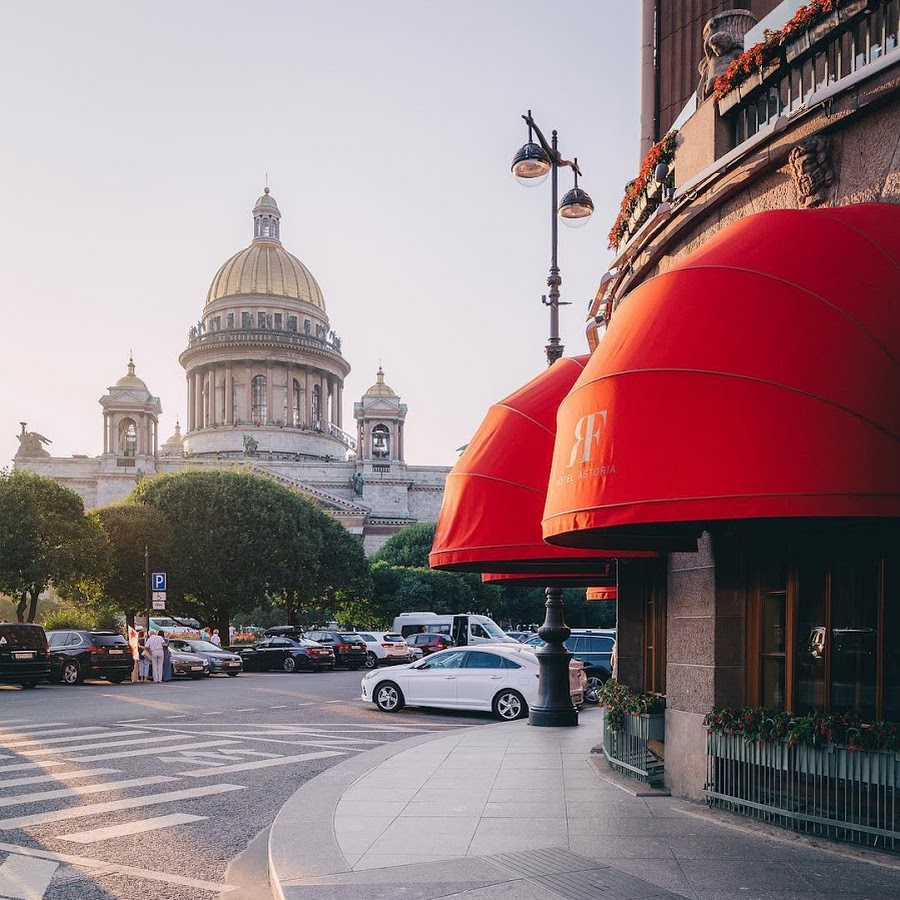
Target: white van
465, 628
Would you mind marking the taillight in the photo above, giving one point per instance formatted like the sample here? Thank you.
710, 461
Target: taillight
92, 649
387, 645
343, 646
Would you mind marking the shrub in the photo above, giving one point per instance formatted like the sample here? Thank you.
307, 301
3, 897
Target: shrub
74, 617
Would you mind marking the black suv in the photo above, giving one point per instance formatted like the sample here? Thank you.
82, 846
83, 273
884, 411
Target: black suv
76, 655
24, 658
287, 654
594, 648
349, 648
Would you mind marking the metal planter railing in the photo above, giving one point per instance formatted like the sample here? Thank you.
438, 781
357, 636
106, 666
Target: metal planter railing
850, 795
628, 751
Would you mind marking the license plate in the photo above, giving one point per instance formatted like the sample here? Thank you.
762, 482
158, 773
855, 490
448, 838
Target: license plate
28, 655
196, 668
116, 652
234, 664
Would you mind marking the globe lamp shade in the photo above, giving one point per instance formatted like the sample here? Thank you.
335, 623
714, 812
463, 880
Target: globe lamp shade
531, 165
576, 207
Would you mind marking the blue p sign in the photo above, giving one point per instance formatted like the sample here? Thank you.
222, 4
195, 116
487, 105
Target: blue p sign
158, 581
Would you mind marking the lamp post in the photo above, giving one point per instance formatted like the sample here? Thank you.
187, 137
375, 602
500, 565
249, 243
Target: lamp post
531, 165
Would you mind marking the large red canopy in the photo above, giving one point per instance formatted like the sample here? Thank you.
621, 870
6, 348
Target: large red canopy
759, 378
490, 520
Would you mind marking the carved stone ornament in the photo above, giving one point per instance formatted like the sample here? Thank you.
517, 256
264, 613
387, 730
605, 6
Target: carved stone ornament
30, 444
723, 41
812, 171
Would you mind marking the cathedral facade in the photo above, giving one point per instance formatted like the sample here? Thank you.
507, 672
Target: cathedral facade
265, 381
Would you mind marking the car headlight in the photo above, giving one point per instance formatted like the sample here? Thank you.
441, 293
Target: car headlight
369, 675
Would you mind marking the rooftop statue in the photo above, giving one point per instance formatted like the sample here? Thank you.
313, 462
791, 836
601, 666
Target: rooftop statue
251, 445
30, 444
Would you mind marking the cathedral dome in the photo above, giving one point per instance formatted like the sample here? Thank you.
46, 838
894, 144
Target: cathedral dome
265, 267
380, 389
131, 380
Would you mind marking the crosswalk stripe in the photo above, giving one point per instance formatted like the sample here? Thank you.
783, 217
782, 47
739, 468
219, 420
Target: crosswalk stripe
139, 827
151, 751
100, 734
46, 751
25, 878
21, 767
22, 737
35, 797
41, 725
57, 776
259, 764
99, 809
84, 862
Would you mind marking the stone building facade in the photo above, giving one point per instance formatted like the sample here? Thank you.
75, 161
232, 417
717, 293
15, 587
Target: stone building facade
265, 379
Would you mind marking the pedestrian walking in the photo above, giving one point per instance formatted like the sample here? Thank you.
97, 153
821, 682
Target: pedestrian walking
204, 633
156, 645
143, 658
231, 633
135, 653
214, 638
168, 673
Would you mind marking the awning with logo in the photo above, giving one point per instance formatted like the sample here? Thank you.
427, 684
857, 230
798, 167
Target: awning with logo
758, 378
490, 520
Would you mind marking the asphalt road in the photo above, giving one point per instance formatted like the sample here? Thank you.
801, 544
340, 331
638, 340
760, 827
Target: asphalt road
150, 791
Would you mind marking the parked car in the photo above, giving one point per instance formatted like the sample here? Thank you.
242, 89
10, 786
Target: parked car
24, 655
221, 662
188, 665
385, 647
76, 654
291, 631
429, 642
521, 636
593, 646
349, 648
501, 678
287, 654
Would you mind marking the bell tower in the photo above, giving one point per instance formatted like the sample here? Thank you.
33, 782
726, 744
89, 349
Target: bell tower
130, 420
380, 418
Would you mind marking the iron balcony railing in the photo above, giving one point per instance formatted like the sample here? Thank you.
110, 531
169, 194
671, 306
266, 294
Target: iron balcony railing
259, 336
628, 750
849, 795
851, 39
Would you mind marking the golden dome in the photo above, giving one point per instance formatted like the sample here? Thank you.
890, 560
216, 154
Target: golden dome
266, 268
177, 439
380, 389
131, 380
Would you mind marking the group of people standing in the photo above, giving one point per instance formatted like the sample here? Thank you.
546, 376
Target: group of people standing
151, 656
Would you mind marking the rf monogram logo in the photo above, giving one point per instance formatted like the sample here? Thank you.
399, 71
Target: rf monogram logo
588, 431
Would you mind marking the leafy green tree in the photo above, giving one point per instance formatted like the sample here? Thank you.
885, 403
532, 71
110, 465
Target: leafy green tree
239, 539
45, 538
408, 547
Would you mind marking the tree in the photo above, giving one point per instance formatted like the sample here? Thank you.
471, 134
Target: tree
45, 537
408, 547
239, 539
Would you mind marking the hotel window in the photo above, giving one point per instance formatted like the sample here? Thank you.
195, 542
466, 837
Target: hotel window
822, 635
258, 406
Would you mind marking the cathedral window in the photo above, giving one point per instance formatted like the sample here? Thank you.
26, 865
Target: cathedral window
292, 323
229, 321
128, 443
279, 321
258, 406
260, 320
381, 442
246, 320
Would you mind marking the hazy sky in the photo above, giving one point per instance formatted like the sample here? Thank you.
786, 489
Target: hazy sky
137, 137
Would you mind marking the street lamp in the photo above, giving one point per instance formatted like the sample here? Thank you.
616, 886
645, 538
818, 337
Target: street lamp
531, 165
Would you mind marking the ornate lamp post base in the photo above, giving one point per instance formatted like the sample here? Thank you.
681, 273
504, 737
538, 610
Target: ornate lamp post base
553, 707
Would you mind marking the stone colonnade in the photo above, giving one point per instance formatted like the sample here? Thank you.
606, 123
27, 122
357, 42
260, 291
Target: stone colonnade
234, 394
146, 433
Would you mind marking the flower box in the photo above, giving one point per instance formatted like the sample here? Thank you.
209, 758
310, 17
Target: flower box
798, 46
823, 28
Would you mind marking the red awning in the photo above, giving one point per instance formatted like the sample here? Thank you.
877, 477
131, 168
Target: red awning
490, 520
569, 580
602, 593
759, 378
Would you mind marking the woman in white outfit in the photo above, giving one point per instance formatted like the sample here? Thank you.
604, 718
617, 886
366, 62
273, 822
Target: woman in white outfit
156, 646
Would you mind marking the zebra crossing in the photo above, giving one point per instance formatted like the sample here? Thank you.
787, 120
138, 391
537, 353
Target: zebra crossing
50, 773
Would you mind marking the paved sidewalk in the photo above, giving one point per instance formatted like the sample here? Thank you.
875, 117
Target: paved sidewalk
510, 811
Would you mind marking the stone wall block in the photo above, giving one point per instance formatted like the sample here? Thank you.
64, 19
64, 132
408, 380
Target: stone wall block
685, 754
691, 640
690, 688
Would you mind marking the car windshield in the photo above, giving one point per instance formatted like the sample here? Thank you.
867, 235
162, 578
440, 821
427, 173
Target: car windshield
492, 628
396, 638
28, 636
353, 638
202, 645
109, 640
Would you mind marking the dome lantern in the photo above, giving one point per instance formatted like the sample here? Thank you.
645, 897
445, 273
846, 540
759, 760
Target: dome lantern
266, 219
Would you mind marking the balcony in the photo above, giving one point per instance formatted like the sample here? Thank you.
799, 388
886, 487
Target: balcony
857, 38
266, 336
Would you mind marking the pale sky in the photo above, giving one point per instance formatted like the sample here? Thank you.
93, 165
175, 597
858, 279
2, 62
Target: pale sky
137, 136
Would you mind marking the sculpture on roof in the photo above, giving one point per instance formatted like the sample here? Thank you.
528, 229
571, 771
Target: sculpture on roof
251, 445
357, 481
30, 444
723, 41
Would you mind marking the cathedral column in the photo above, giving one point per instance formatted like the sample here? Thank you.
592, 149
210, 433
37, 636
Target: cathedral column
105, 434
142, 436
289, 396
307, 377
190, 402
229, 397
198, 400
323, 399
211, 398
400, 441
270, 393
249, 378
155, 426
339, 389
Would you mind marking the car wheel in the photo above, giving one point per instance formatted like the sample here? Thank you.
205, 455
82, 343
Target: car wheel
71, 673
388, 697
594, 683
116, 679
289, 664
509, 705
371, 660
29, 684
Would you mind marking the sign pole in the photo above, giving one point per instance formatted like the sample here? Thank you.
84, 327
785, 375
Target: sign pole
147, 588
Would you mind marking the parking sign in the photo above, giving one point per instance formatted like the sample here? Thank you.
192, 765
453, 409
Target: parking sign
158, 581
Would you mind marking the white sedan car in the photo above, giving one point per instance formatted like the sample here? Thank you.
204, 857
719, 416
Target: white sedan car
501, 678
